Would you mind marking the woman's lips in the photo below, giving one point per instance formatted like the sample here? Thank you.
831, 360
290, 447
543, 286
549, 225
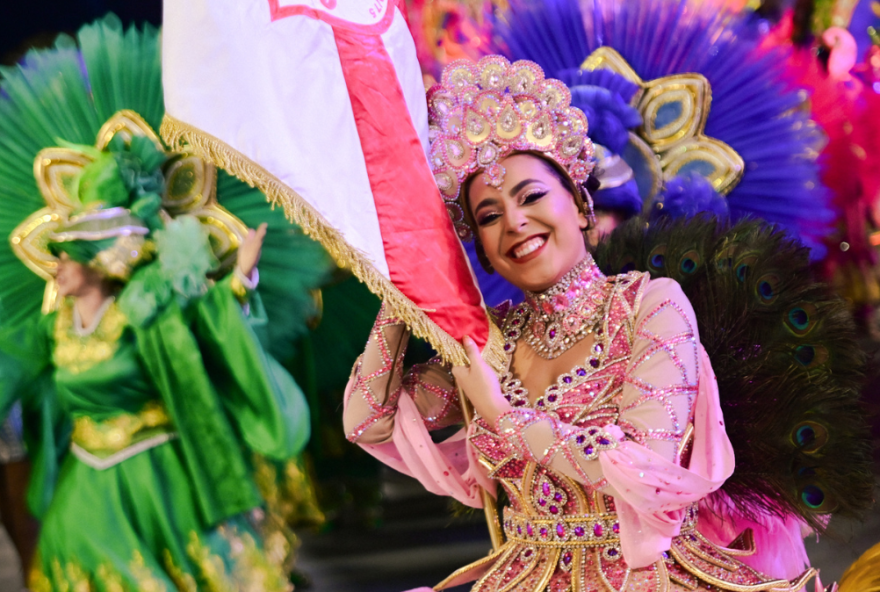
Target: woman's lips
528, 249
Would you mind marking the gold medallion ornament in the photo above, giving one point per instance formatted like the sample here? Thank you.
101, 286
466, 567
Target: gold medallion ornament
190, 188
672, 141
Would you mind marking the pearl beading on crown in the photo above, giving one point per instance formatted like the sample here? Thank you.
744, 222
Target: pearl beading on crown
482, 112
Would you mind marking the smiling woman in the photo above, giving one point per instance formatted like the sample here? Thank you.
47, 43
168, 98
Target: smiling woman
530, 228
605, 428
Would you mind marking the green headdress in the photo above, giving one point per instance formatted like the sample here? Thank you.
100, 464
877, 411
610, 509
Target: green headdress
82, 171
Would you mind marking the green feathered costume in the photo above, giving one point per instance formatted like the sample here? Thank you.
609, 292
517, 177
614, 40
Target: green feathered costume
141, 431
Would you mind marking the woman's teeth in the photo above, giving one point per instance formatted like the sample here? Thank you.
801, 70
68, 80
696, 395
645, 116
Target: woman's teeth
530, 246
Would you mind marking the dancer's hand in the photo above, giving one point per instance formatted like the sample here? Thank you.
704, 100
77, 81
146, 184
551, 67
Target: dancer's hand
480, 384
250, 249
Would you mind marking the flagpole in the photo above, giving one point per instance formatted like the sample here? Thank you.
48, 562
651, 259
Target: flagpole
496, 535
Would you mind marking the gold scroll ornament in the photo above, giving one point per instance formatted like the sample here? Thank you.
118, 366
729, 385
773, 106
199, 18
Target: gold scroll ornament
671, 140
190, 189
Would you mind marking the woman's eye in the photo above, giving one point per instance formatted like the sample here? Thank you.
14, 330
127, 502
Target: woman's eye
533, 197
484, 219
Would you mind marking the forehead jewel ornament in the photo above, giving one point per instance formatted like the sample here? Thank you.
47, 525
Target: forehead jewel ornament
482, 112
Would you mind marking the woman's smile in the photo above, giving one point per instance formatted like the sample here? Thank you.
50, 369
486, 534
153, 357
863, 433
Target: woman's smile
527, 249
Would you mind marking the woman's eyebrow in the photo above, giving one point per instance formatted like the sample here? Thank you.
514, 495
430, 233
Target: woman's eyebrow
515, 189
489, 201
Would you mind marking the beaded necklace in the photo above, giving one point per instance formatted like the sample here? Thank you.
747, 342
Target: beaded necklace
555, 320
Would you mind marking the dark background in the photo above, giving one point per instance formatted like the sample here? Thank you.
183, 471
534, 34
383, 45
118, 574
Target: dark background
36, 23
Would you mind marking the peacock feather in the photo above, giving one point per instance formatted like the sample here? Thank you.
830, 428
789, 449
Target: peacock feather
65, 94
784, 352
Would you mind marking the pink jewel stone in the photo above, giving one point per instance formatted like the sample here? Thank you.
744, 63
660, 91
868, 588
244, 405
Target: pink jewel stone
597, 530
560, 530
544, 533
542, 502
580, 439
552, 334
598, 348
519, 403
566, 559
604, 441
516, 322
615, 528
506, 347
593, 431
588, 450
540, 403
528, 553
545, 487
554, 510
579, 531
581, 372
529, 530
551, 398
518, 529
557, 496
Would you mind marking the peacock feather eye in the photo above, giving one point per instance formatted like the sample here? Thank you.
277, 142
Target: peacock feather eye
767, 288
657, 258
810, 356
744, 265
801, 319
805, 354
626, 264
690, 262
809, 437
725, 258
813, 496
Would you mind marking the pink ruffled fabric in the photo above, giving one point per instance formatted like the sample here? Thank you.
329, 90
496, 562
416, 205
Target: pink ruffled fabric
779, 541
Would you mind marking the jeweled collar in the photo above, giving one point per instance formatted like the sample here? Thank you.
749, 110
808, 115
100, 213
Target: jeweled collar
557, 318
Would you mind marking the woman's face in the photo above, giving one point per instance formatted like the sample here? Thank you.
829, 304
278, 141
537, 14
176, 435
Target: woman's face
74, 278
531, 226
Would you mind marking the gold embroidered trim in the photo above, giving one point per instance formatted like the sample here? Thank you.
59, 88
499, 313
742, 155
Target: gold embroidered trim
78, 353
774, 585
182, 136
119, 432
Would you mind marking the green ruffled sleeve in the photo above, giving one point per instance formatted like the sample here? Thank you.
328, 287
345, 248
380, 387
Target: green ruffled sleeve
268, 408
213, 454
26, 375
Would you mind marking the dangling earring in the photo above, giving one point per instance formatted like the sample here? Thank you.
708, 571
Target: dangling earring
591, 218
481, 257
588, 208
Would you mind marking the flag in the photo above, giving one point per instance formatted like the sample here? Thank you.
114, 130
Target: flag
320, 103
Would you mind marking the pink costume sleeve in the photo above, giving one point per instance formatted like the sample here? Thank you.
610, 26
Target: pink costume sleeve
447, 468
668, 383
390, 417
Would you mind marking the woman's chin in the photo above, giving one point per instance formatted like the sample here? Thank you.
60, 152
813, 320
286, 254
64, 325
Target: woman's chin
531, 278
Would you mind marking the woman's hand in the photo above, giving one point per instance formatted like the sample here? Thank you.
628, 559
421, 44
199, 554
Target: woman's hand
250, 249
480, 384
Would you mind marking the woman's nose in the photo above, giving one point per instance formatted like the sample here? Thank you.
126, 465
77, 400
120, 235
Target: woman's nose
515, 220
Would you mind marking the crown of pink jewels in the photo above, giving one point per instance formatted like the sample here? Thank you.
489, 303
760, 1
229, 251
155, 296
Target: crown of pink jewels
482, 112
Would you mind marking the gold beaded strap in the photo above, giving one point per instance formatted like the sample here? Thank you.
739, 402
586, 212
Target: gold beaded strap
103, 439
584, 530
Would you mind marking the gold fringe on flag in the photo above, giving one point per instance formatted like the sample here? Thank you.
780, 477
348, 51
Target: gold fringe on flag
183, 137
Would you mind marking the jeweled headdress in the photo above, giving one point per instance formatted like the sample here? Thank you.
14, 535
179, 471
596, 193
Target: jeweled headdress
483, 112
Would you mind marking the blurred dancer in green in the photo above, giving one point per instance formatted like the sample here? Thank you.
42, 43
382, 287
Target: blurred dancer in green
129, 328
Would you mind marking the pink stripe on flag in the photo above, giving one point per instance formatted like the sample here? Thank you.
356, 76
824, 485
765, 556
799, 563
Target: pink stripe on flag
424, 257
